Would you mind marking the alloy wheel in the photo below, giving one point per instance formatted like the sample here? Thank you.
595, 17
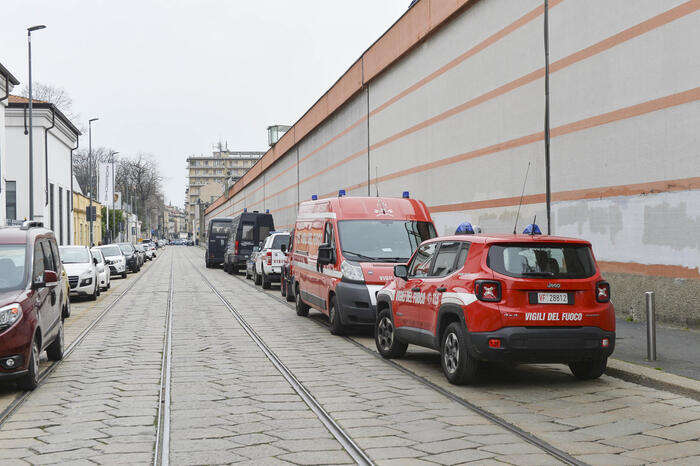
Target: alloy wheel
451, 353
385, 333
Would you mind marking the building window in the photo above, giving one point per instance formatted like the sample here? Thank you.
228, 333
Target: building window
60, 216
11, 200
51, 217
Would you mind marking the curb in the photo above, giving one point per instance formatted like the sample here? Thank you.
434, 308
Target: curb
653, 378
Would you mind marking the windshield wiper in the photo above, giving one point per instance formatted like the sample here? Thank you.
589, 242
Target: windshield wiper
392, 259
541, 274
361, 256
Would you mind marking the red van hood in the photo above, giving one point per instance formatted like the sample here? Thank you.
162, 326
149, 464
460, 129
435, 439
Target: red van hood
377, 273
9, 297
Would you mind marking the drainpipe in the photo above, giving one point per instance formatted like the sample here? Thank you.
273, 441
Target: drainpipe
46, 157
70, 199
7, 94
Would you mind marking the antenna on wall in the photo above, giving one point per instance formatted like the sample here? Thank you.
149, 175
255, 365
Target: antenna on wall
376, 179
517, 216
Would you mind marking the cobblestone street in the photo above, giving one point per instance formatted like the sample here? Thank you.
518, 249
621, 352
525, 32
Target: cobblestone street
229, 402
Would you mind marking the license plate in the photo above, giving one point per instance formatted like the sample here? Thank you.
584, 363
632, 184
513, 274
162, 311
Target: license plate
552, 298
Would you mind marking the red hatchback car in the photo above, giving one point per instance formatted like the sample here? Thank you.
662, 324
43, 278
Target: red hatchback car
508, 298
32, 301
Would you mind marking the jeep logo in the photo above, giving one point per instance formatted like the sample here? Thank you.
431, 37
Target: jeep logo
553, 285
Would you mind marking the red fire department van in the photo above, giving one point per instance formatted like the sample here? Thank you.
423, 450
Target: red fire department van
510, 298
344, 250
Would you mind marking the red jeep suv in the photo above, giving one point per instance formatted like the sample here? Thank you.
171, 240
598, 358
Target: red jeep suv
510, 298
32, 299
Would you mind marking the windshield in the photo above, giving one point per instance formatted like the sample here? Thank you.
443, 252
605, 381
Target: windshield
12, 260
220, 228
74, 255
546, 261
383, 240
110, 251
279, 240
97, 255
126, 248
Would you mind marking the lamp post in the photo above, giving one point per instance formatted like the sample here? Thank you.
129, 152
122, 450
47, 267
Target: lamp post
110, 231
31, 126
91, 190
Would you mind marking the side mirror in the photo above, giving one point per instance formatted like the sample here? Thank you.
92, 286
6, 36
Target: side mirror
50, 278
325, 254
94, 260
401, 271
283, 248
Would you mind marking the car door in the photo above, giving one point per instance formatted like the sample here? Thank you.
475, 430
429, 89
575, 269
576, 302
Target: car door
328, 272
408, 294
42, 304
52, 262
444, 265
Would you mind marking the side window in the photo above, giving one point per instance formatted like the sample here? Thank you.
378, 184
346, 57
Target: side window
38, 267
56, 255
49, 262
446, 258
328, 234
462, 258
420, 264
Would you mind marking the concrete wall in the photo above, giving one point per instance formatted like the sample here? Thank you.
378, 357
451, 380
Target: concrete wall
456, 117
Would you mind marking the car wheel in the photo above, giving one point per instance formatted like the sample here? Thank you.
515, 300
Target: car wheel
124, 274
588, 370
66, 309
95, 293
385, 338
301, 306
458, 365
31, 379
256, 278
266, 284
55, 350
337, 327
283, 287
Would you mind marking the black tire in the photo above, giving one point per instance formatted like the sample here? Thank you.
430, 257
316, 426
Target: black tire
301, 306
290, 292
206, 262
385, 338
55, 350
256, 278
589, 370
66, 309
247, 275
337, 327
457, 364
283, 287
124, 274
109, 285
95, 293
266, 283
31, 379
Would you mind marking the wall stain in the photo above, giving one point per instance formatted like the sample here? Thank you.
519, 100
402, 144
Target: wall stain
672, 226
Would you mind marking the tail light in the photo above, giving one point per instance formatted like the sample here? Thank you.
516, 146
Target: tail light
269, 257
488, 290
235, 249
602, 292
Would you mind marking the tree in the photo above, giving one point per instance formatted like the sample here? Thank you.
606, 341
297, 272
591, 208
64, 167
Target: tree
55, 95
81, 168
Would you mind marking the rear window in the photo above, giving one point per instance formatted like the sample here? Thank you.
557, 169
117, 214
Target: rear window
220, 228
279, 240
248, 232
546, 260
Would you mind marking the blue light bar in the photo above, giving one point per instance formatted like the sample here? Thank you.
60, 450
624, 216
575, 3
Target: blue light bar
406, 195
314, 197
341, 193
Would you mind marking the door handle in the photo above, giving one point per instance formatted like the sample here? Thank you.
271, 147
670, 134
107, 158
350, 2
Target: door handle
442, 289
415, 288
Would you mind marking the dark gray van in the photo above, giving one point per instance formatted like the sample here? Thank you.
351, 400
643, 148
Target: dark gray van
217, 235
247, 230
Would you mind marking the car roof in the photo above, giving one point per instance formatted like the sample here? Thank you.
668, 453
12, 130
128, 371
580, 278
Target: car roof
510, 238
16, 235
72, 246
366, 208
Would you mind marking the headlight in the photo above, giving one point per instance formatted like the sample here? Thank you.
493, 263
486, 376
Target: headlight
352, 271
10, 314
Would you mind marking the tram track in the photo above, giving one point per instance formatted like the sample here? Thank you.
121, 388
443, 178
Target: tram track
541, 444
161, 454
22, 397
345, 440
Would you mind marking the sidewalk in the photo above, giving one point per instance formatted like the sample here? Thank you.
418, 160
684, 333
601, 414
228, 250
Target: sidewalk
677, 350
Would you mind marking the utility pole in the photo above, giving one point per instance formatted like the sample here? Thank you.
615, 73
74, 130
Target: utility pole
91, 188
548, 184
31, 125
113, 213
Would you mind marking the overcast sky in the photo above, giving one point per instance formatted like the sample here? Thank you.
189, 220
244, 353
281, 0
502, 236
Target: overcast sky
172, 77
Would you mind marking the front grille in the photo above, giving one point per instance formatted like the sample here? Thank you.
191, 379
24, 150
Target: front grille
73, 281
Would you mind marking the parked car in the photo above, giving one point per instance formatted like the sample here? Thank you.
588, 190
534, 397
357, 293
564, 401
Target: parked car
133, 263
104, 274
250, 263
503, 298
246, 230
115, 259
268, 263
148, 252
345, 249
66, 288
32, 302
81, 268
287, 279
141, 253
152, 246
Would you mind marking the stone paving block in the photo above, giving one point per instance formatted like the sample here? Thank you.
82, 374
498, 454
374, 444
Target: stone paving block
617, 428
318, 457
634, 442
205, 457
678, 433
459, 456
666, 452
383, 453
608, 459
259, 451
533, 459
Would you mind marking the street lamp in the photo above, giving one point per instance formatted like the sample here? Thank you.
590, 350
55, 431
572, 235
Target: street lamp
31, 126
91, 190
113, 214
